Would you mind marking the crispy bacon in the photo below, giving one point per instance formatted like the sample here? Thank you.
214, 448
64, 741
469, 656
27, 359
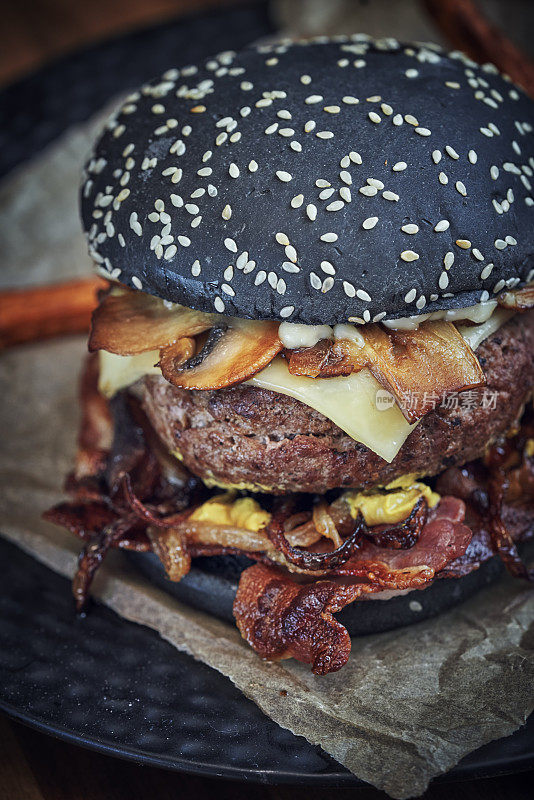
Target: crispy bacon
281, 618
500, 535
443, 538
417, 367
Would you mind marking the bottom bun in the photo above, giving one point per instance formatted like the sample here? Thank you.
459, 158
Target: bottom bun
211, 586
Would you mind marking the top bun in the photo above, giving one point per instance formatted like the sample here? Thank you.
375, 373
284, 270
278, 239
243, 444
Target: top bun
318, 182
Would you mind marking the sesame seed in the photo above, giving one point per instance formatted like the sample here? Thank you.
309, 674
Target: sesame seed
477, 254
510, 240
442, 225
346, 177
230, 245
349, 100
451, 151
195, 268
349, 289
325, 194
436, 156
283, 176
291, 253
465, 244
375, 182
282, 239
345, 162
309, 126
390, 196
423, 131
345, 194
233, 170
242, 260
452, 84
253, 166
297, 201
329, 237
421, 302
324, 134
289, 266
286, 311
410, 228
327, 267
305, 79
219, 305
296, 146
443, 178
411, 73
369, 223
227, 212
486, 272
409, 255
411, 120
410, 296
286, 132
448, 260
460, 187
368, 191
327, 284
386, 109
494, 172
397, 119
337, 205
374, 117
136, 282
313, 98
184, 241
283, 114
362, 295
400, 166
332, 109
355, 157
443, 280
271, 128
472, 156
374, 98
311, 211
315, 281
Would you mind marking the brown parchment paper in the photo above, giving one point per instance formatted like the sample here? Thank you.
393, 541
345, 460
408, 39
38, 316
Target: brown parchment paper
409, 704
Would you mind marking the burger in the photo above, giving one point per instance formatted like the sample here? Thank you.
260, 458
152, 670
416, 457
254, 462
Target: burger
316, 350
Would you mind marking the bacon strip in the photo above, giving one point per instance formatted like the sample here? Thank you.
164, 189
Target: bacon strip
280, 618
443, 538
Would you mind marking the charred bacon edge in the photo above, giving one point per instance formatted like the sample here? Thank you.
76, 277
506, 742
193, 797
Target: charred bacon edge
405, 534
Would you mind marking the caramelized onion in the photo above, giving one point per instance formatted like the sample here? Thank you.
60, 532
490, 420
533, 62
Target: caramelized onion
405, 534
170, 547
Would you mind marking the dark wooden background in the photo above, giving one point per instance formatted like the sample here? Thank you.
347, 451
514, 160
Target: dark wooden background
37, 767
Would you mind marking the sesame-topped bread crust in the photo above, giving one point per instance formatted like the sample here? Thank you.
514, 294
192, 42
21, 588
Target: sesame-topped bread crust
318, 183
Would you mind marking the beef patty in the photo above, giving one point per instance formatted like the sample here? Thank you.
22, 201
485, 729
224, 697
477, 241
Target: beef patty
260, 439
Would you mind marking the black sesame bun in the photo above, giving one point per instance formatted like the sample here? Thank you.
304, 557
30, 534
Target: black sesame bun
318, 183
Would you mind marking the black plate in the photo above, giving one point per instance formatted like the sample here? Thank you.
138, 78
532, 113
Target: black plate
139, 698
117, 687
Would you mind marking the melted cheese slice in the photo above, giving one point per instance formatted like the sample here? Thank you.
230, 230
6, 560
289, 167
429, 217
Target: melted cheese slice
350, 402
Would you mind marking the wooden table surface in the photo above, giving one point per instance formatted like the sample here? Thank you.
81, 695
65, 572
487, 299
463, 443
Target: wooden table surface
34, 766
